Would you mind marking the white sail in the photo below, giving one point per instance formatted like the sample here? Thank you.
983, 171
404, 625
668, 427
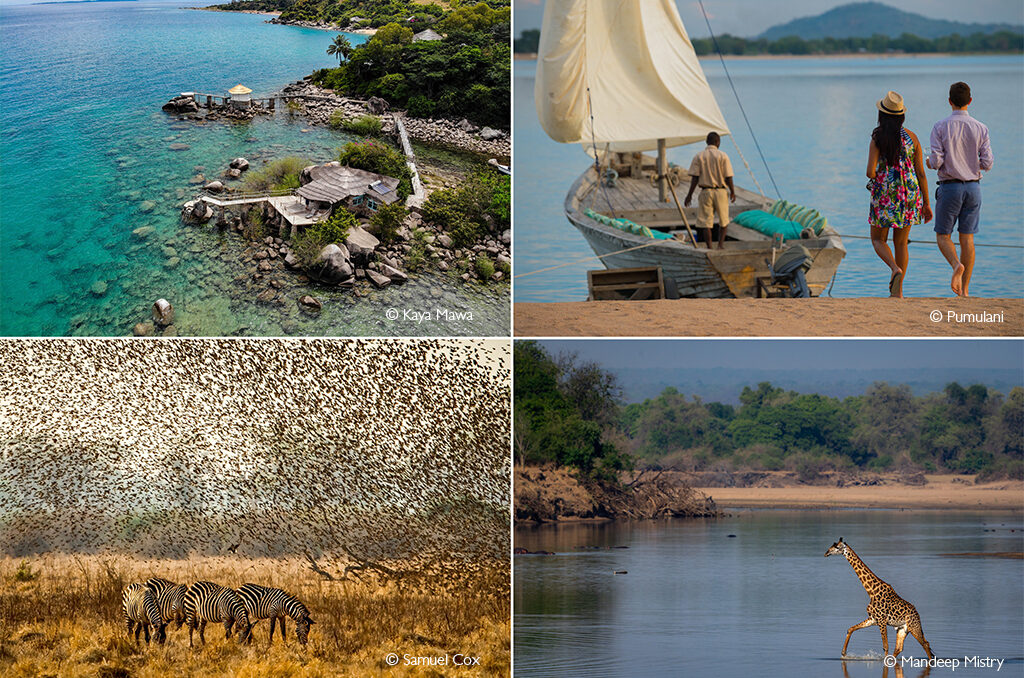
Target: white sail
630, 65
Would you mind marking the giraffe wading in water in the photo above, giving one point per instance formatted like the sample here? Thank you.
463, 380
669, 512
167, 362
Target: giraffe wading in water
885, 607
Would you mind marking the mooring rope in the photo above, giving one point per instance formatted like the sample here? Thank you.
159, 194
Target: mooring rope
737, 95
580, 261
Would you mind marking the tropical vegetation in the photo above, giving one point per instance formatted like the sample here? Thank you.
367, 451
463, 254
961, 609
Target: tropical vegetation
375, 156
571, 414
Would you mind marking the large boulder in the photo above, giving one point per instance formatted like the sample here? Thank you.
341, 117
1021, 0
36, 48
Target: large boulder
490, 134
467, 126
333, 266
214, 187
196, 211
379, 280
181, 104
361, 244
240, 164
376, 105
163, 313
393, 273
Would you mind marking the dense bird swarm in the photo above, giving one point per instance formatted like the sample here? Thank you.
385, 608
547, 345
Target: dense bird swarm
387, 459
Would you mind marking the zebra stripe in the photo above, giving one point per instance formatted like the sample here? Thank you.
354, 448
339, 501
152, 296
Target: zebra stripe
273, 604
138, 603
209, 602
170, 598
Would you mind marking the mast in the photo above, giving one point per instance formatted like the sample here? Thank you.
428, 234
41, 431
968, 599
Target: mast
662, 172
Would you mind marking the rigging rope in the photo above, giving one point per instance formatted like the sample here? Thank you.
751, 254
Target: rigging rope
934, 242
597, 162
736, 94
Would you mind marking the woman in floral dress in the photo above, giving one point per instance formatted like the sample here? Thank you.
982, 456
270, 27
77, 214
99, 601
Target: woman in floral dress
899, 188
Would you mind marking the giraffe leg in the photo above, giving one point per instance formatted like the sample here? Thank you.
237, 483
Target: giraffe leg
901, 635
918, 633
849, 632
885, 639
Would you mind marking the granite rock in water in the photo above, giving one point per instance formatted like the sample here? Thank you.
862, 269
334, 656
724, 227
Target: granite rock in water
379, 280
310, 303
181, 104
214, 187
144, 330
163, 312
393, 273
240, 164
196, 211
333, 266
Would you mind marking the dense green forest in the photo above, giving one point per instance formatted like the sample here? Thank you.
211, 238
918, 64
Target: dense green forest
570, 413
1003, 41
464, 75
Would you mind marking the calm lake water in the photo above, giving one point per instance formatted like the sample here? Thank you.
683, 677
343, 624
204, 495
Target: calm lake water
813, 119
696, 602
87, 160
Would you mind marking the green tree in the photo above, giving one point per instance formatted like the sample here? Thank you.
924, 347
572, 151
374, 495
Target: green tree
340, 47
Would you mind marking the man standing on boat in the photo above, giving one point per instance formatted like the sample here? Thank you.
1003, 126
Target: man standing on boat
712, 171
960, 151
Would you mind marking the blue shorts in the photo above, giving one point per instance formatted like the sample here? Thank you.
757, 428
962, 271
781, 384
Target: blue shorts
957, 203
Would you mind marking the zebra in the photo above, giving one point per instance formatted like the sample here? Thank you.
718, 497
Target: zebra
206, 602
140, 611
274, 604
171, 599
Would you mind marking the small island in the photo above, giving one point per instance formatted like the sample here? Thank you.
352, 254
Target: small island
369, 218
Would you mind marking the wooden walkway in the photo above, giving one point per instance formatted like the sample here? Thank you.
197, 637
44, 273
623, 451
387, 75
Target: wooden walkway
418, 194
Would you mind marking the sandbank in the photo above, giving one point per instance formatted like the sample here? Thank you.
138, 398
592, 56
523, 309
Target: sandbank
940, 492
817, 317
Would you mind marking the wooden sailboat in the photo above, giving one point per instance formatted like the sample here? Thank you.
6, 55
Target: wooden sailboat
620, 77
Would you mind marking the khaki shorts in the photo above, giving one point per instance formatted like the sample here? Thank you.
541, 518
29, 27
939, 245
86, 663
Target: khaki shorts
710, 201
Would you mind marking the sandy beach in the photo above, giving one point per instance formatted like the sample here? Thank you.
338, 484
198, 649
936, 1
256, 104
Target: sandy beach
940, 492
819, 317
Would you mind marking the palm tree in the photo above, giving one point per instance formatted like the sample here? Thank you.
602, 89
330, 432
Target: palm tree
340, 47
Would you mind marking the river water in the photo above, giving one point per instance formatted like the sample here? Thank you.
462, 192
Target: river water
698, 601
813, 119
87, 160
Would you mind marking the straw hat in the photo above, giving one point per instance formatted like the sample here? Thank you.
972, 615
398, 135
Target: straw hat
892, 104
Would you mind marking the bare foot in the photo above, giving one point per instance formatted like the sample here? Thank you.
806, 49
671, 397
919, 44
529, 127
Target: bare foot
896, 284
957, 282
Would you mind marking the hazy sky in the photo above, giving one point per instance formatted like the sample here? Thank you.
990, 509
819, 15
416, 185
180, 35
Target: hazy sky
751, 17
803, 354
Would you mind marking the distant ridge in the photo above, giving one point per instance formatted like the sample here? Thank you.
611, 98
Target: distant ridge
864, 19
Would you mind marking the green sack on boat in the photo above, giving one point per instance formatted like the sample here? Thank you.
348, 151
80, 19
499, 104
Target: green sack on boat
626, 225
769, 224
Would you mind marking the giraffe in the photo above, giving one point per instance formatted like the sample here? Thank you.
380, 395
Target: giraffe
885, 607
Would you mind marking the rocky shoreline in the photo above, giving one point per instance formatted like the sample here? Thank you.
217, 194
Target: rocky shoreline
318, 105
551, 494
320, 25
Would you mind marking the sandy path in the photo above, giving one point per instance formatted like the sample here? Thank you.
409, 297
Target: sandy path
820, 317
941, 492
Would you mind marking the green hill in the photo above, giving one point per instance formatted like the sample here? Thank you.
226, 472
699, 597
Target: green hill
864, 19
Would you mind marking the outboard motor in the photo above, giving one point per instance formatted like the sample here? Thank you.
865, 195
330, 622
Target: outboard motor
790, 269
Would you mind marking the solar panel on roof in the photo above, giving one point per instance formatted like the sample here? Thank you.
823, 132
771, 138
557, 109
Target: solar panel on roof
380, 187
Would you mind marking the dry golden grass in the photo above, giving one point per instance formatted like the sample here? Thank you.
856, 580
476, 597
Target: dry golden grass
61, 617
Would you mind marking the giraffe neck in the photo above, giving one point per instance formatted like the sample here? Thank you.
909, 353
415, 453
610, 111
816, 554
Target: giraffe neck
868, 579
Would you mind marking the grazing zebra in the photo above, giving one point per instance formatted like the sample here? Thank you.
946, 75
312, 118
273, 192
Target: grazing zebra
170, 597
141, 611
209, 602
273, 604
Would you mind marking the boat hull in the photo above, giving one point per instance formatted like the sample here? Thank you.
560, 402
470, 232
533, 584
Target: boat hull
696, 271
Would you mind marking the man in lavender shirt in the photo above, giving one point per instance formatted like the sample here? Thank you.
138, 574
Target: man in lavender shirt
960, 150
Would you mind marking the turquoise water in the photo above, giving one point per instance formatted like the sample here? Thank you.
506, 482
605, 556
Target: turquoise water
87, 160
813, 119
752, 595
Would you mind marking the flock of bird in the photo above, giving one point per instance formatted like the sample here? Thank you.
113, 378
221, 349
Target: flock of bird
159, 602
338, 451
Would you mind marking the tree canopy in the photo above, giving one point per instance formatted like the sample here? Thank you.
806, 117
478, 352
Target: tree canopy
571, 414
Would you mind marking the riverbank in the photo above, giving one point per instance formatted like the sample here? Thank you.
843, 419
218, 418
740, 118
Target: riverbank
888, 491
870, 316
557, 494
